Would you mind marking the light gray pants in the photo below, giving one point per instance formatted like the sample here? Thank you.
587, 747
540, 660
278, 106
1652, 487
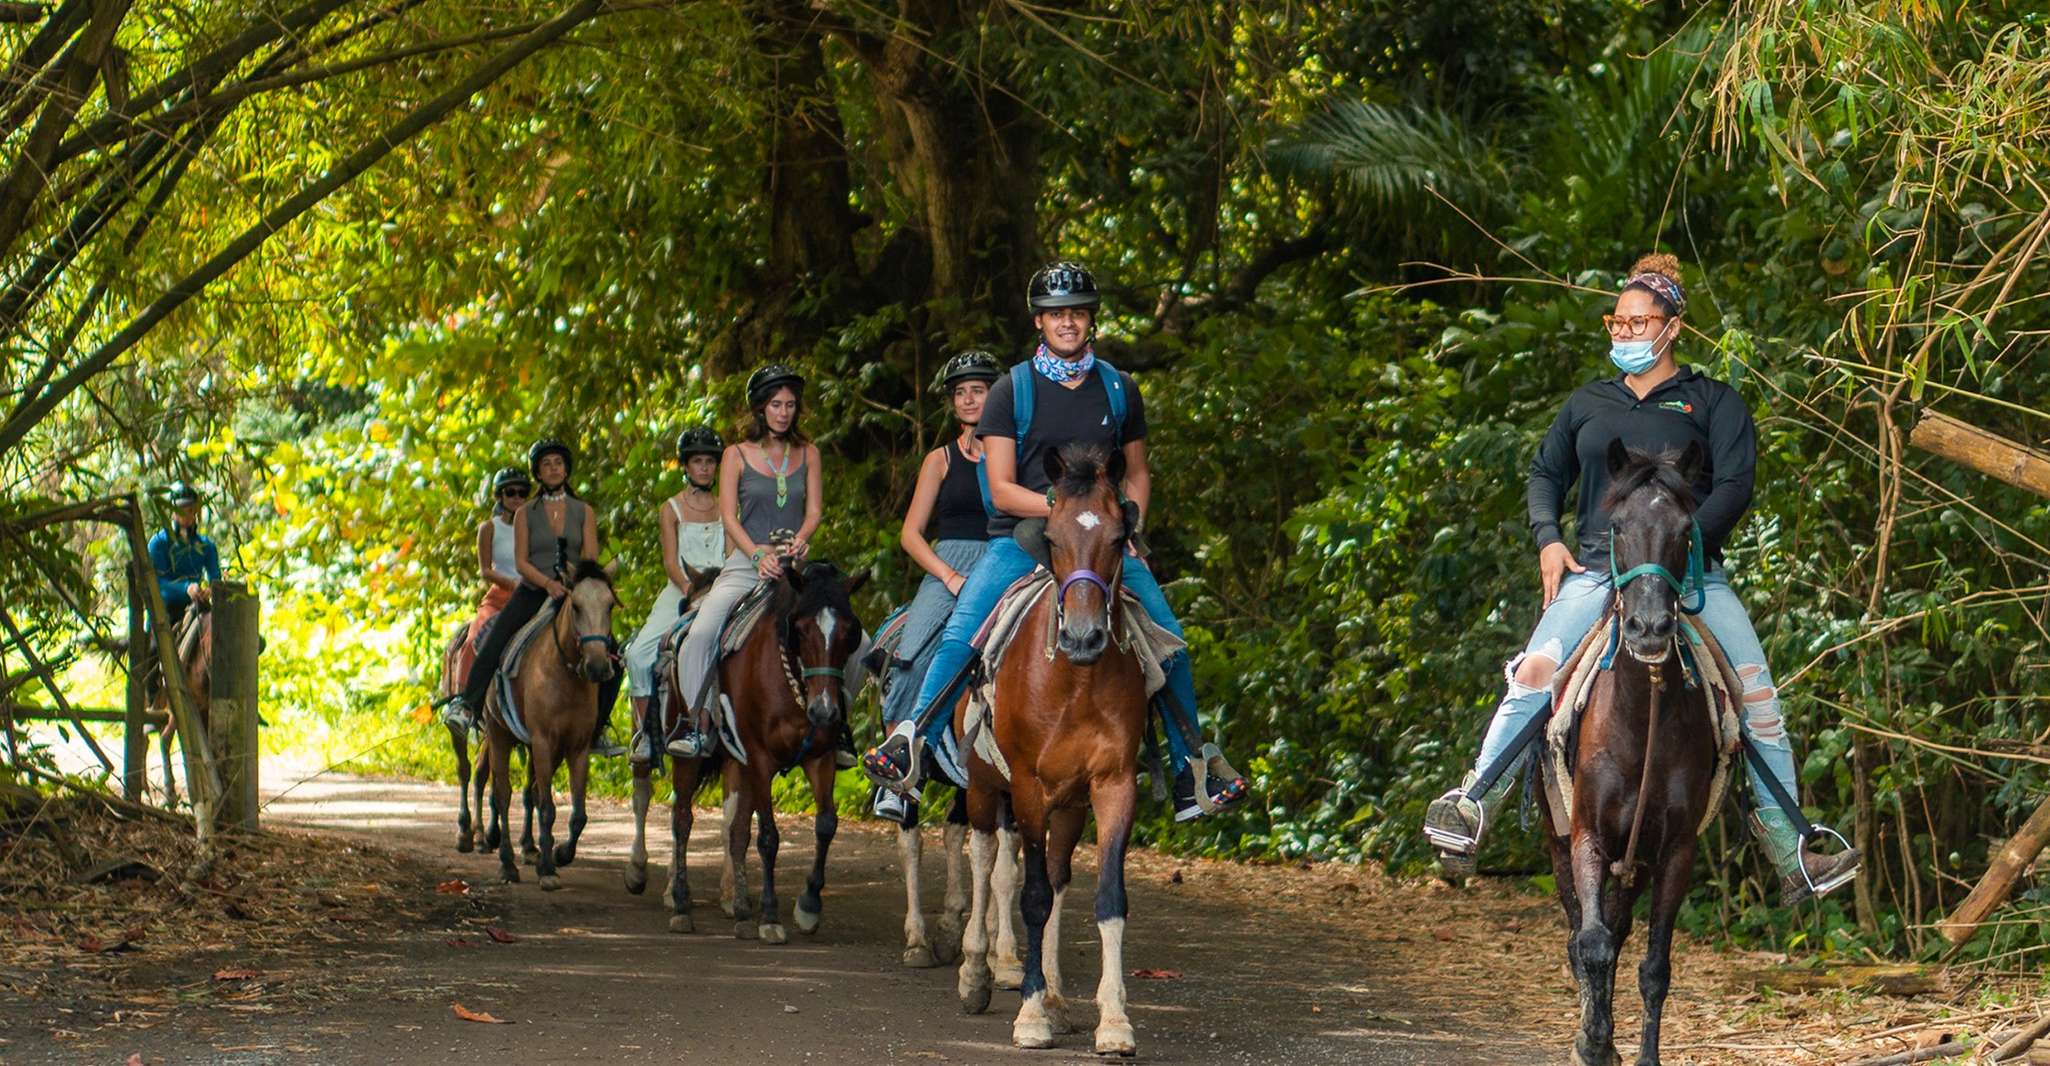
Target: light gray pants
699, 655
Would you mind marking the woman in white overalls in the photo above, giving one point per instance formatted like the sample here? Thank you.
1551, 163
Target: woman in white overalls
693, 538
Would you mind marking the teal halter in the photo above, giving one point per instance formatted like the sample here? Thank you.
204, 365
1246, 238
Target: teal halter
1694, 572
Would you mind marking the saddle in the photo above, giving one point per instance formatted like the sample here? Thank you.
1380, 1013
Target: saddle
883, 659
1149, 642
1706, 667
505, 709
740, 625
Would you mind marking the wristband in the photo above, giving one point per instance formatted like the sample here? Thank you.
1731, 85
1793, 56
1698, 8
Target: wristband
756, 558
1049, 498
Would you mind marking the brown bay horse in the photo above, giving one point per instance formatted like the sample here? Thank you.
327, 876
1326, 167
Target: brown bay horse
1643, 758
1069, 726
193, 638
787, 687
556, 688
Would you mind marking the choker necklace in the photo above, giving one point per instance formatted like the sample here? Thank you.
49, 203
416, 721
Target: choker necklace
554, 495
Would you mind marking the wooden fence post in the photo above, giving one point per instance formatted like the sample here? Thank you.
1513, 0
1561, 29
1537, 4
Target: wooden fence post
232, 711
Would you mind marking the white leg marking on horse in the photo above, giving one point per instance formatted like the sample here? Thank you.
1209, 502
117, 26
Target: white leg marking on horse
1033, 1027
917, 950
1050, 967
953, 919
1006, 882
637, 856
1114, 1034
974, 982
732, 877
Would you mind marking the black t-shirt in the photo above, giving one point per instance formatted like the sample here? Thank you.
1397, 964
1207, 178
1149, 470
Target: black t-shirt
1060, 415
1687, 407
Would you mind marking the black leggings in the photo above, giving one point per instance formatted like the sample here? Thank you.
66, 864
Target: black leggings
526, 602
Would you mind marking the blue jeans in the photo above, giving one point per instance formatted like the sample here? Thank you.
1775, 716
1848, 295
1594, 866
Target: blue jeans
1001, 567
1581, 601
930, 609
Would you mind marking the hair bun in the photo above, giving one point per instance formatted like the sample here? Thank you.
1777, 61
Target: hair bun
1663, 264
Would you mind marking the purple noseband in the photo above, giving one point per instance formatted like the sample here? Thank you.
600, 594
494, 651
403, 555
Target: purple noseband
1083, 575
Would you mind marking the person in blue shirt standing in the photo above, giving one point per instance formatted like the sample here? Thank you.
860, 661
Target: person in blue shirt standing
1064, 394
186, 561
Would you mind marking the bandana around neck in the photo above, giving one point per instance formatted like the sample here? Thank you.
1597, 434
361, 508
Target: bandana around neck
1061, 371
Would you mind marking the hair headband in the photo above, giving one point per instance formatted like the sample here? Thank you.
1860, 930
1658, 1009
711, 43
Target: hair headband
1667, 289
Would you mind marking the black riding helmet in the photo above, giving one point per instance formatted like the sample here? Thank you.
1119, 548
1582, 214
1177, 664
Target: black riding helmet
763, 383
698, 440
550, 446
971, 365
1062, 283
511, 475
181, 494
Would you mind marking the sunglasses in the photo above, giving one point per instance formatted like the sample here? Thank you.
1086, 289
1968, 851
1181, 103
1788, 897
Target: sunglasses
512, 494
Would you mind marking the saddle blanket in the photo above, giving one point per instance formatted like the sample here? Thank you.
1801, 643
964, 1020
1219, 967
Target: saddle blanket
1575, 684
1148, 641
740, 625
503, 706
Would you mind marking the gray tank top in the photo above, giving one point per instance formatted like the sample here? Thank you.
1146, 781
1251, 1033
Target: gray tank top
541, 546
760, 517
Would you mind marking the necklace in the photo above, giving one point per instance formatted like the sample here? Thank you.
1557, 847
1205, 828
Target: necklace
782, 473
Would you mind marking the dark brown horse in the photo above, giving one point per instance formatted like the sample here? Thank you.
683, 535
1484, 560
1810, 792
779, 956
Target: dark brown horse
556, 689
1643, 760
475, 777
1069, 727
787, 687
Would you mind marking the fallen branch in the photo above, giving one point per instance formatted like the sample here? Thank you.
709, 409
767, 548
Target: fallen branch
1988, 453
1999, 880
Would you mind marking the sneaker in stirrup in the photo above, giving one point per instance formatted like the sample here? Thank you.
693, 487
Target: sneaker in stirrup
893, 764
843, 752
1455, 824
456, 714
689, 744
1206, 784
892, 805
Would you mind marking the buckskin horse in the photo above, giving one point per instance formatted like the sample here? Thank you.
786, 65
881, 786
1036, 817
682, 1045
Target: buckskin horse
1068, 726
1643, 757
786, 684
555, 689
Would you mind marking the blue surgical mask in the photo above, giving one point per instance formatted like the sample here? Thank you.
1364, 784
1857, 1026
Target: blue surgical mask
1634, 357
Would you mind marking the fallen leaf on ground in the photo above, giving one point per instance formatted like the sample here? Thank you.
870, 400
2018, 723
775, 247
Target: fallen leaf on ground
457, 887
500, 935
459, 942
469, 1015
1149, 974
135, 1059
237, 975
1443, 934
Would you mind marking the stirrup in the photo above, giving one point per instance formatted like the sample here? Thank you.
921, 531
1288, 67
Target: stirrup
690, 744
1842, 877
1210, 763
882, 767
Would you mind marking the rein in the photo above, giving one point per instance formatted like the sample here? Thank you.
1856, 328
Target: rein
1626, 868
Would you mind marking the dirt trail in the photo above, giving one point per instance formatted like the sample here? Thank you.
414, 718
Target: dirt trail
595, 976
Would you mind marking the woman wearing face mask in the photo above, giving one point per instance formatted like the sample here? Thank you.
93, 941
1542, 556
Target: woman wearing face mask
1654, 405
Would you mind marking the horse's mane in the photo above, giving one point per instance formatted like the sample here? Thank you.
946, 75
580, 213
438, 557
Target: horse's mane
824, 587
1082, 465
1661, 470
589, 569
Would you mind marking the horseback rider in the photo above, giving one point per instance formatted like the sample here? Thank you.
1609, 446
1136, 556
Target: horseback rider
497, 565
552, 532
1078, 398
1652, 406
693, 536
184, 558
948, 497
770, 500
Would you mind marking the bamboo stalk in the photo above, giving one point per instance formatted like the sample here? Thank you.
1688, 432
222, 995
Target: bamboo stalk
1988, 453
2000, 877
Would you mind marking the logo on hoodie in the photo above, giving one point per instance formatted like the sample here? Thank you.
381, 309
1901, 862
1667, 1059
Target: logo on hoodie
1681, 406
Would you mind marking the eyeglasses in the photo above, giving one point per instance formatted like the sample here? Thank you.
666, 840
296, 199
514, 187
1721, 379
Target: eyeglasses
512, 494
1630, 325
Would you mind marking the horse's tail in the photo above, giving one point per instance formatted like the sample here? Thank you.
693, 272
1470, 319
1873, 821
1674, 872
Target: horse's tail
709, 773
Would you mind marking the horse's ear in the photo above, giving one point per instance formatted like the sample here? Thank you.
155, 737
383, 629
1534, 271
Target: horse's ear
1619, 457
1055, 466
698, 578
1693, 462
859, 579
611, 568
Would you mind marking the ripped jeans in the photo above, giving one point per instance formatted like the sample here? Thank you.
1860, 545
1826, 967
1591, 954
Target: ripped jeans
1581, 601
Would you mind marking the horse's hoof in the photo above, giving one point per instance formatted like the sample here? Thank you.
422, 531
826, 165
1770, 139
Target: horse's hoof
1037, 1033
1116, 1040
550, 882
564, 855
1060, 1014
807, 921
919, 957
681, 923
636, 879
743, 930
774, 934
509, 874
974, 994
732, 910
1009, 974
464, 844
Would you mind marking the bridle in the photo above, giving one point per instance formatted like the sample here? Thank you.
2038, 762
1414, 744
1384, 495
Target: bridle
576, 664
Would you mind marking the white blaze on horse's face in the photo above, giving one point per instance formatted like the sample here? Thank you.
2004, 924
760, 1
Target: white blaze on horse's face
1088, 520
